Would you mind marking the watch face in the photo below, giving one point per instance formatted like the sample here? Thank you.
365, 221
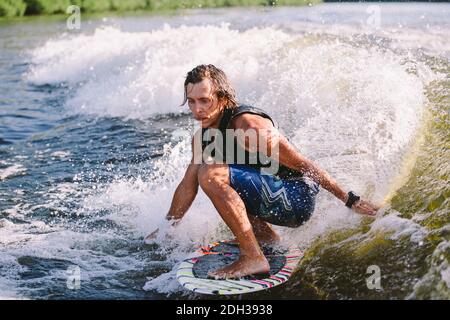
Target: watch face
352, 198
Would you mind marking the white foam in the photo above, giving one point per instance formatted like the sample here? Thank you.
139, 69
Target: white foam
85, 250
398, 227
12, 171
445, 275
142, 205
60, 154
165, 283
141, 73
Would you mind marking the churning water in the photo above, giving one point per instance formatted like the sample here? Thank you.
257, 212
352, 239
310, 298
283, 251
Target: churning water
93, 143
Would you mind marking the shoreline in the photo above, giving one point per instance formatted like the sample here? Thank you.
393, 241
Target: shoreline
19, 9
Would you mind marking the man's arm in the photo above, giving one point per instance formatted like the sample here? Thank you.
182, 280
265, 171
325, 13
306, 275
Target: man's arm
184, 194
291, 158
187, 189
288, 156
183, 197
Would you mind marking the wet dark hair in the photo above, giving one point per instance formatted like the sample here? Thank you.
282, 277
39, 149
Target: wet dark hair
221, 85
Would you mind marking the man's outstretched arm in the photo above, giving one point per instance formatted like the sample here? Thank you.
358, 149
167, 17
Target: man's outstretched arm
280, 149
182, 199
291, 158
184, 194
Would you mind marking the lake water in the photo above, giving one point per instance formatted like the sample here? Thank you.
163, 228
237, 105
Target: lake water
93, 143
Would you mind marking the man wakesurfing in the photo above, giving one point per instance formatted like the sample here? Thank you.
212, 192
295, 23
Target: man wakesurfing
252, 174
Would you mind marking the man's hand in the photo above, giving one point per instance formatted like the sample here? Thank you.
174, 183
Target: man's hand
151, 237
365, 207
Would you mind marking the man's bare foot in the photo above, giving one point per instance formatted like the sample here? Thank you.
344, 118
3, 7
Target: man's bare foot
244, 266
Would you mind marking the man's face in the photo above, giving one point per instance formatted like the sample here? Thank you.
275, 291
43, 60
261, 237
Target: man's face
204, 104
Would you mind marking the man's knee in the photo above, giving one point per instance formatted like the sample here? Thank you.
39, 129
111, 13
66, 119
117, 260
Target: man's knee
211, 176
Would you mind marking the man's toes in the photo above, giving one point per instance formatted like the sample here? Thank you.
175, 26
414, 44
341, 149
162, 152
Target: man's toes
216, 275
220, 275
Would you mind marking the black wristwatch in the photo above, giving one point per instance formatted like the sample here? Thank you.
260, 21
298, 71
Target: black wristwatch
352, 198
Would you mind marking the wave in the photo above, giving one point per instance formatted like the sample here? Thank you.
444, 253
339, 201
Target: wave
355, 107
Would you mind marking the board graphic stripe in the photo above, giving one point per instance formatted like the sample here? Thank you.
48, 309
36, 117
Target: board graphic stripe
186, 277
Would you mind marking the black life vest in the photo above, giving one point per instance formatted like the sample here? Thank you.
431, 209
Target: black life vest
252, 159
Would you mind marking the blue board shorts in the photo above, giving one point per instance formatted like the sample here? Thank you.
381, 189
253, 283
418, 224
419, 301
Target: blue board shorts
282, 202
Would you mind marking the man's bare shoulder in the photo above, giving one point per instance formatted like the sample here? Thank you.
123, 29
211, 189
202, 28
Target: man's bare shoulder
249, 120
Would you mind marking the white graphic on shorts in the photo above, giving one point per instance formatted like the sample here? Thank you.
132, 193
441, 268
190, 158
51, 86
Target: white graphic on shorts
270, 197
